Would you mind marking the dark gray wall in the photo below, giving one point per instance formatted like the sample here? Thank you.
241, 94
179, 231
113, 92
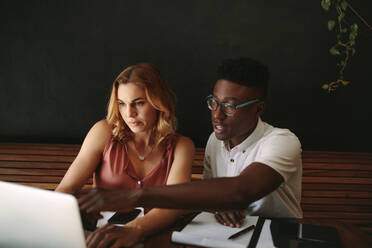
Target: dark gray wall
59, 58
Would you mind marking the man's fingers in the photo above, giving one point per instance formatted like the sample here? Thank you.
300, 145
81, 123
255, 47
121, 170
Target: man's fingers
241, 214
225, 219
218, 218
84, 196
237, 218
109, 237
90, 203
232, 219
95, 238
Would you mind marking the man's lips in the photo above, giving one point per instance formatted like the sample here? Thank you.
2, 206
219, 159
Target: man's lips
218, 128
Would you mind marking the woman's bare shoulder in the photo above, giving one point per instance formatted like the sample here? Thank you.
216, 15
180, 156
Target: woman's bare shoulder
100, 133
185, 142
103, 126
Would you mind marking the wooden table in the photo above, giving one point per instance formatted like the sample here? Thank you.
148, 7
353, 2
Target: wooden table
351, 236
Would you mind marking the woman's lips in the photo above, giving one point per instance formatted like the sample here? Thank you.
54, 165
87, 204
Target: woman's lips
134, 123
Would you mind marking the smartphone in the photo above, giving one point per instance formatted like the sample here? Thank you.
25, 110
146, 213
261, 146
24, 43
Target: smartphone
124, 217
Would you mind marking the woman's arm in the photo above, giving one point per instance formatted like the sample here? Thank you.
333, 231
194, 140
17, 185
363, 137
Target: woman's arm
88, 158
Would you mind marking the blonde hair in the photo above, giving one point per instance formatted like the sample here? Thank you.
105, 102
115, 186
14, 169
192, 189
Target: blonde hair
158, 95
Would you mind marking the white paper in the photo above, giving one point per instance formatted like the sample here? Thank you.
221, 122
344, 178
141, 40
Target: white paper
205, 231
265, 240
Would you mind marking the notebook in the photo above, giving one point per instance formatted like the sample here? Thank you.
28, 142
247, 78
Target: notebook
31, 217
205, 231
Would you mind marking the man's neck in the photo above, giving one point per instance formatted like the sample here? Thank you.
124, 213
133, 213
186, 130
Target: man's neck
239, 139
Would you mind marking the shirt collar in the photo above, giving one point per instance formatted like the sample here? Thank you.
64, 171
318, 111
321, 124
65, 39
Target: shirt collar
251, 139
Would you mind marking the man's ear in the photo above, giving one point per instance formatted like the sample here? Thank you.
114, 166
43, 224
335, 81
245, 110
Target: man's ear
260, 108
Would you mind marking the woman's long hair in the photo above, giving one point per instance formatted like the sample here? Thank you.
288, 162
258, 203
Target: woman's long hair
158, 95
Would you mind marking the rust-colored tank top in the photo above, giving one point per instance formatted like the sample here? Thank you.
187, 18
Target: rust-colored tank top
116, 170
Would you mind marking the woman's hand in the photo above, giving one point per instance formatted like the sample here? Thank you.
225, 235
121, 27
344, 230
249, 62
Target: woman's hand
115, 236
94, 200
230, 218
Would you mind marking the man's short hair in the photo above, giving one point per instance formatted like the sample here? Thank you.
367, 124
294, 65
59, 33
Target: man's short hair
245, 71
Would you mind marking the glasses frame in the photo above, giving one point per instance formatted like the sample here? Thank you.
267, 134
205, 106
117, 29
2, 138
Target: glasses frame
223, 105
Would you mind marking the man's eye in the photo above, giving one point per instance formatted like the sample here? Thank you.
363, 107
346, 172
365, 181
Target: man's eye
229, 107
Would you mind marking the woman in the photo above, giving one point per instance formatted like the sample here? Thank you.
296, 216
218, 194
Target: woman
135, 146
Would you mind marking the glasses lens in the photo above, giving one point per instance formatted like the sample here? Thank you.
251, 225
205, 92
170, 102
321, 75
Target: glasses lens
212, 104
228, 110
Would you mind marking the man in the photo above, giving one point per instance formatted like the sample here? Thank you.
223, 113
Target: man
249, 165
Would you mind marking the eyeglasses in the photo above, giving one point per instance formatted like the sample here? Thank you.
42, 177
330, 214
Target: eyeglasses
227, 108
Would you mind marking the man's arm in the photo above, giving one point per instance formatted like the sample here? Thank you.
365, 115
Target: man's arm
256, 181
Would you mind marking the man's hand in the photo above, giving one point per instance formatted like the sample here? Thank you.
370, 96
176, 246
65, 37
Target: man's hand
230, 218
95, 200
89, 220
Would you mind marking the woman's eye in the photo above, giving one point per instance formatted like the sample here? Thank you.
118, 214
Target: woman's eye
140, 103
121, 104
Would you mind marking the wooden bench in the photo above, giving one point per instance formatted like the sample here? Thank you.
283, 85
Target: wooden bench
335, 185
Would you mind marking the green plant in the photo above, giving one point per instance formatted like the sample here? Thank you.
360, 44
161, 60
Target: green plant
346, 34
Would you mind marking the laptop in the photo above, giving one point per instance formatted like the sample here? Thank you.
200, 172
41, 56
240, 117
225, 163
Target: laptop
32, 217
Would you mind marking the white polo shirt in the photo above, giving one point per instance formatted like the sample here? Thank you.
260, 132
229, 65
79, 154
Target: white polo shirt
275, 147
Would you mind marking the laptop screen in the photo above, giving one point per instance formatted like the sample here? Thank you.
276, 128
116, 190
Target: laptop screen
32, 217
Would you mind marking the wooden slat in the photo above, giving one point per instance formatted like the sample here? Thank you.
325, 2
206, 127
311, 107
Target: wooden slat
43, 146
35, 179
49, 186
336, 186
339, 166
338, 194
5, 145
197, 170
38, 152
196, 177
345, 180
32, 172
35, 165
337, 173
335, 201
336, 208
39, 158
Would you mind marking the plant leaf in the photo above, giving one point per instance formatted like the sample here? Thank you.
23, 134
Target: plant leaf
334, 51
355, 26
345, 82
344, 5
325, 87
341, 16
325, 4
352, 36
331, 24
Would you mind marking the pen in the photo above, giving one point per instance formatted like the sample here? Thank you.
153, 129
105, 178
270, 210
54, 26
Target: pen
245, 230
